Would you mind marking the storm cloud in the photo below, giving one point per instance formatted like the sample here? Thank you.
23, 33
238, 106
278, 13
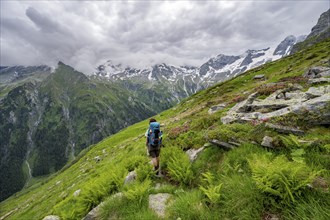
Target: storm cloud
143, 33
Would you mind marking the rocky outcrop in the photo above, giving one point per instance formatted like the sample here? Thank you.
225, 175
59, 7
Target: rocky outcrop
319, 32
193, 153
299, 102
267, 142
216, 108
285, 129
323, 25
261, 76
317, 72
51, 217
222, 144
131, 176
158, 203
92, 215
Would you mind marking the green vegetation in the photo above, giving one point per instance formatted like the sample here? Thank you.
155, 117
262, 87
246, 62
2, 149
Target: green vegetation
290, 181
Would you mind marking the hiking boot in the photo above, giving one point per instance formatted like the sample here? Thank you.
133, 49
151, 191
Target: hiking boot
159, 175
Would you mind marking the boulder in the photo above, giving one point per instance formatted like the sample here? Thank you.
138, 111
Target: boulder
285, 129
261, 76
221, 144
267, 142
97, 159
52, 217
131, 176
216, 108
314, 92
77, 193
319, 80
317, 72
192, 153
93, 214
158, 203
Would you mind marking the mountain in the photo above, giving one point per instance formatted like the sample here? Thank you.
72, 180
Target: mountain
271, 161
285, 47
47, 121
189, 79
318, 33
48, 116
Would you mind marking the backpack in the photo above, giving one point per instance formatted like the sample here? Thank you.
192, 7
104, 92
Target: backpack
154, 134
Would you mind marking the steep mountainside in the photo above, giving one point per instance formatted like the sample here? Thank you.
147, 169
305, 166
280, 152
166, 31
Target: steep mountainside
10, 77
248, 167
318, 33
45, 124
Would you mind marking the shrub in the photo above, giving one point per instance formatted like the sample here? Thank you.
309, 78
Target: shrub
282, 180
231, 132
191, 139
267, 89
175, 132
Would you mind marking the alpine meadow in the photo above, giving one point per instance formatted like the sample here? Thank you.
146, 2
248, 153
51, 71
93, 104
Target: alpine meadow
243, 136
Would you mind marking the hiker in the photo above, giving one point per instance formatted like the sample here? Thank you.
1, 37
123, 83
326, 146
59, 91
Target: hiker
154, 139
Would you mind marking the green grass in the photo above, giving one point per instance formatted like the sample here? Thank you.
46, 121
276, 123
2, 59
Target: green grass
188, 125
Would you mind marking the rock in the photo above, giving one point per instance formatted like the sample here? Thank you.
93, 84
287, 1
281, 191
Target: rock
314, 92
216, 108
131, 176
93, 214
221, 144
77, 193
234, 143
97, 158
285, 129
267, 142
320, 183
192, 153
261, 76
158, 203
319, 81
317, 72
297, 102
118, 195
269, 216
52, 217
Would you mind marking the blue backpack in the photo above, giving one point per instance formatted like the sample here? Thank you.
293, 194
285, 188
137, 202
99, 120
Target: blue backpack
154, 134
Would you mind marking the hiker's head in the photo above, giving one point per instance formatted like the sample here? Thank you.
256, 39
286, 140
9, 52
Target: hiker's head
152, 120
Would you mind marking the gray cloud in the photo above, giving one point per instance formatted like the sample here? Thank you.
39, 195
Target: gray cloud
142, 33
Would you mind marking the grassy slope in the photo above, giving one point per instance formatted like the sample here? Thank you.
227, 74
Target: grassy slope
188, 125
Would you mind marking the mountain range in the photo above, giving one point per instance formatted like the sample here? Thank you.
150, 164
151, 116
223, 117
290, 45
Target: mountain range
190, 79
49, 116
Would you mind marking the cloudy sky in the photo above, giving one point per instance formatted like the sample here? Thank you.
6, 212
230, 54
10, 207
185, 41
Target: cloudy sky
142, 33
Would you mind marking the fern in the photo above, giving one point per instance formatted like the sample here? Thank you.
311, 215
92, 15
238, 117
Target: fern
177, 163
212, 190
179, 168
291, 141
297, 155
283, 180
137, 190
